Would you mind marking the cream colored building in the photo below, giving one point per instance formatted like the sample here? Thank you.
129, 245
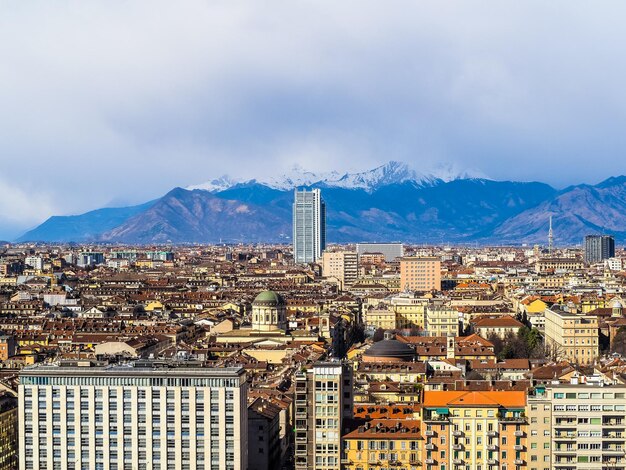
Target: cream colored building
420, 273
583, 427
572, 337
142, 416
323, 399
268, 312
342, 265
442, 320
384, 318
410, 310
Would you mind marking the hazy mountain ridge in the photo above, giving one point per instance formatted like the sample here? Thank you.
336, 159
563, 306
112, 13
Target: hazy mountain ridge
387, 203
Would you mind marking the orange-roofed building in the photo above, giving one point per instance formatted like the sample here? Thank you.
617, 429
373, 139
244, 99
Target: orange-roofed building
475, 429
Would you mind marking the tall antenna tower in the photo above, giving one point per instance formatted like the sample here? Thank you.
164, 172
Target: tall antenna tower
550, 238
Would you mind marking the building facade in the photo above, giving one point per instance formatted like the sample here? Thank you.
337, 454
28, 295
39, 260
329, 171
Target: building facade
142, 415
598, 248
572, 337
323, 400
442, 320
384, 443
583, 426
309, 226
342, 265
477, 430
420, 274
268, 312
390, 251
8, 432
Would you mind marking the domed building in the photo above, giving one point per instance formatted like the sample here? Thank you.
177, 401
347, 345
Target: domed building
389, 350
268, 312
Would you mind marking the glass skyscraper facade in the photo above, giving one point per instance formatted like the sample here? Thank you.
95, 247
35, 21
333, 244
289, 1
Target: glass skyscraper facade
309, 226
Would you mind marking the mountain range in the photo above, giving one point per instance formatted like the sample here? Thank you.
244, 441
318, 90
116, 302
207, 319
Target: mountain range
390, 202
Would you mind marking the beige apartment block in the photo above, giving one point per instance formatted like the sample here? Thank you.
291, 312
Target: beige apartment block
342, 265
582, 425
572, 337
442, 320
420, 273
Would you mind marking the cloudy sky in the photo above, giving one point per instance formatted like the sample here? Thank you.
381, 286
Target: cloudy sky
116, 102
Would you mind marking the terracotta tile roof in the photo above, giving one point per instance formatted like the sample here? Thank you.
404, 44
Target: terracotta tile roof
436, 398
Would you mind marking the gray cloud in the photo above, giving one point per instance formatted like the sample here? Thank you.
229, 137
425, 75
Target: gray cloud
120, 101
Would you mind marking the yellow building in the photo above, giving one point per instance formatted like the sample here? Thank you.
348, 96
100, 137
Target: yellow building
384, 443
442, 320
410, 311
380, 318
572, 337
474, 430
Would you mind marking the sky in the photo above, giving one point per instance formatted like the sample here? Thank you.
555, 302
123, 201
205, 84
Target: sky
107, 103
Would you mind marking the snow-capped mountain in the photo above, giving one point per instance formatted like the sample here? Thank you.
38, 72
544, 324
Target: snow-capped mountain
389, 173
216, 185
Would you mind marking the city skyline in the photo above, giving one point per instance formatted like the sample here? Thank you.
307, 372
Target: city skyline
93, 103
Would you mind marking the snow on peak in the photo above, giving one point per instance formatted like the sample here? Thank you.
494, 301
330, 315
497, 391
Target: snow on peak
216, 185
389, 173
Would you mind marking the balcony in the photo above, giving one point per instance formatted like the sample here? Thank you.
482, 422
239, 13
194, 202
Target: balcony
492, 433
429, 433
512, 419
492, 447
519, 433
457, 433
437, 419
346, 461
429, 447
518, 447
518, 462
457, 461
430, 461
457, 447
492, 461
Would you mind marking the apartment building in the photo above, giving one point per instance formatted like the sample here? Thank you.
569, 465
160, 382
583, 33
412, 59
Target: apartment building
323, 400
8, 431
383, 318
587, 424
342, 265
420, 273
142, 415
571, 336
441, 320
484, 430
384, 443
410, 310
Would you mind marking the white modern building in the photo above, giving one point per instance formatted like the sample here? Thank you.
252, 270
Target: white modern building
323, 399
136, 416
309, 226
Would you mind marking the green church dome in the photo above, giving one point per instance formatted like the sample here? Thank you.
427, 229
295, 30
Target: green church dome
268, 297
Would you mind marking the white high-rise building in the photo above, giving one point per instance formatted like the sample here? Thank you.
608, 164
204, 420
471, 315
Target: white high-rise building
323, 399
309, 226
143, 415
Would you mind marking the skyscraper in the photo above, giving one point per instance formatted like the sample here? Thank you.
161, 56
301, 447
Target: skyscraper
598, 248
309, 226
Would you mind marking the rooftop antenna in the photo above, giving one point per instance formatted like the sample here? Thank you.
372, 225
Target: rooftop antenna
550, 238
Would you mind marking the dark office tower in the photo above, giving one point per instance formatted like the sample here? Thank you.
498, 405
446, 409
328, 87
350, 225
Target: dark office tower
598, 248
